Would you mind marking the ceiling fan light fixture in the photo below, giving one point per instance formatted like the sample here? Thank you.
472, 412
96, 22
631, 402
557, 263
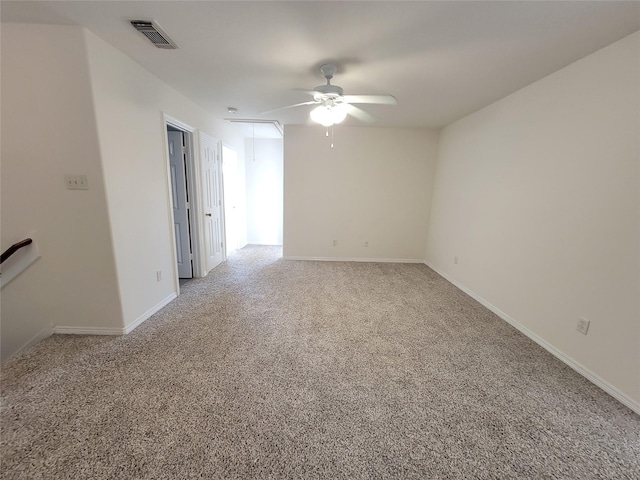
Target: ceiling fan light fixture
327, 115
332, 106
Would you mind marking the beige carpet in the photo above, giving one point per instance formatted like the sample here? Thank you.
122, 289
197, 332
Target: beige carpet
270, 368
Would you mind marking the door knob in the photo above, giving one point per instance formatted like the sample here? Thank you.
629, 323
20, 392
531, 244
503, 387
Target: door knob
208, 214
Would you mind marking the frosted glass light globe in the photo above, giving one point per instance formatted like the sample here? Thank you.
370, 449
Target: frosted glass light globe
327, 115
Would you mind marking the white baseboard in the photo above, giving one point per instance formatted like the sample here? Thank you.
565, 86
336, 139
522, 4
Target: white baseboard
356, 259
44, 333
581, 369
151, 311
66, 330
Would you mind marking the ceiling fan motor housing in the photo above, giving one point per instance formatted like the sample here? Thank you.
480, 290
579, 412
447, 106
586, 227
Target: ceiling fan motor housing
327, 91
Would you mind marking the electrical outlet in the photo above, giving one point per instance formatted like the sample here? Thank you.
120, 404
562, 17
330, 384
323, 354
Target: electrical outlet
159, 275
455, 260
76, 182
366, 243
335, 243
583, 325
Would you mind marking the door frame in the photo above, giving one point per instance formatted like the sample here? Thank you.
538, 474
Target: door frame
193, 178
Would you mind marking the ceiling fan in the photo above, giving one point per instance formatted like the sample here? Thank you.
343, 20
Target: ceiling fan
333, 106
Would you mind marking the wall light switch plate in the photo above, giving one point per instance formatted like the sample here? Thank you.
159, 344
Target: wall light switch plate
583, 326
76, 182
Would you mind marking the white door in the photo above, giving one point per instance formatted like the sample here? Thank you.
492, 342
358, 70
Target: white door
212, 200
180, 205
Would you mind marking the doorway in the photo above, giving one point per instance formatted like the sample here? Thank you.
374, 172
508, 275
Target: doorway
265, 190
194, 179
183, 192
180, 200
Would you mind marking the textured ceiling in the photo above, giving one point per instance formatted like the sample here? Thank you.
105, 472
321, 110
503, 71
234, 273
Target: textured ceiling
441, 60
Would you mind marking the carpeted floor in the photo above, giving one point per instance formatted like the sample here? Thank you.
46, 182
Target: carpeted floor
270, 368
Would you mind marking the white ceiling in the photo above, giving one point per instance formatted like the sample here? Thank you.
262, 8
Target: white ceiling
441, 60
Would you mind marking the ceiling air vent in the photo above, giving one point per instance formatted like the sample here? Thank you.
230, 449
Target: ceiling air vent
154, 33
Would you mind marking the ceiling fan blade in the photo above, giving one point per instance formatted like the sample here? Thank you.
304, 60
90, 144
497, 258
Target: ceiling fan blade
379, 99
360, 114
310, 102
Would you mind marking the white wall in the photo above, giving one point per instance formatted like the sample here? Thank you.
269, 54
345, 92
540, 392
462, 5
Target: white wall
235, 216
73, 104
538, 196
129, 105
48, 130
374, 185
264, 179
242, 200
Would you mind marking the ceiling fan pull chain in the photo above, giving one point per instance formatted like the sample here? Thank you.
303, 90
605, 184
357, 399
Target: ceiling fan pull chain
327, 134
331, 136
